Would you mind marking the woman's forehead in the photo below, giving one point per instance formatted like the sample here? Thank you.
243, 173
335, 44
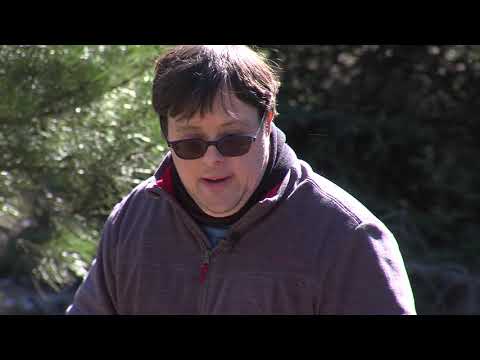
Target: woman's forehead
226, 111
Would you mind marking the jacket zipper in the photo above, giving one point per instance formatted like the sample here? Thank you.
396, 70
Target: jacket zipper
206, 258
204, 267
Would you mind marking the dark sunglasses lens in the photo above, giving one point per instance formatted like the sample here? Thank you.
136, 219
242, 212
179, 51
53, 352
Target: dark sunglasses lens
190, 149
235, 145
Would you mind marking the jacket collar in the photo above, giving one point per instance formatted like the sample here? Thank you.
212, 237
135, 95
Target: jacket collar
161, 185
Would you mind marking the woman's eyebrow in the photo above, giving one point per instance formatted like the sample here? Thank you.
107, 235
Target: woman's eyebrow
236, 122
230, 123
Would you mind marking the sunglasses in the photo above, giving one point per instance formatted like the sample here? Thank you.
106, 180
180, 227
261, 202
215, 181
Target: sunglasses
230, 145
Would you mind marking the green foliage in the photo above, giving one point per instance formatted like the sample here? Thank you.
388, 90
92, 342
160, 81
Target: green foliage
77, 133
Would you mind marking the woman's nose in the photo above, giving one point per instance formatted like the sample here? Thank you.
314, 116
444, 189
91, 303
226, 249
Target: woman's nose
212, 155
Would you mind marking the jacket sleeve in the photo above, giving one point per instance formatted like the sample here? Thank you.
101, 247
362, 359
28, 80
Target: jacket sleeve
368, 276
96, 295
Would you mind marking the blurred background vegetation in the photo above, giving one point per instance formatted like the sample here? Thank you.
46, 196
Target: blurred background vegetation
395, 125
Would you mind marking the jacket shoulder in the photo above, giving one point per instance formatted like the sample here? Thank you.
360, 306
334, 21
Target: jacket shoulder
320, 194
134, 207
358, 252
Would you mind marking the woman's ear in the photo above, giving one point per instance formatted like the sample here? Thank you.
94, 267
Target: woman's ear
268, 121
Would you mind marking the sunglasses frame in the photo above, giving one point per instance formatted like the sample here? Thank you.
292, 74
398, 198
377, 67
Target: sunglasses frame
171, 144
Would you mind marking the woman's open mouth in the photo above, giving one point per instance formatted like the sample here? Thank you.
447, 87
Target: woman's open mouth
216, 183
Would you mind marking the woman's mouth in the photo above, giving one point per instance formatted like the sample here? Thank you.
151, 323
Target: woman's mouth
216, 182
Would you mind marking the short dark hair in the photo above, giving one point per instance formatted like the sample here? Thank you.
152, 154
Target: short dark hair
188, 78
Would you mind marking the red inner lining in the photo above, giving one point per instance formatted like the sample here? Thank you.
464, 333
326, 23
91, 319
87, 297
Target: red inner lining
165, 182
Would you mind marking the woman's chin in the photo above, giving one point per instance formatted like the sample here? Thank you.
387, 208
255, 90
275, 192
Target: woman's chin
220, 205
220, 210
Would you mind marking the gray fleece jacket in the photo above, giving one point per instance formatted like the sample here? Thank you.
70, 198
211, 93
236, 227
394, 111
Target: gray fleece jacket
307, 248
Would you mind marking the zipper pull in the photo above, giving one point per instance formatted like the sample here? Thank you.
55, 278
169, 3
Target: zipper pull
204, 268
